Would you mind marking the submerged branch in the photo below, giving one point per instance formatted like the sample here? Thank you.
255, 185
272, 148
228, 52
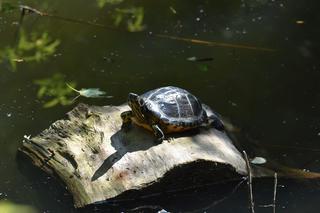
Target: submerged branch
249, 171
275, 191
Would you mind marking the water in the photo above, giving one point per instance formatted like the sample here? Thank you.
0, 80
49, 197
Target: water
272, 96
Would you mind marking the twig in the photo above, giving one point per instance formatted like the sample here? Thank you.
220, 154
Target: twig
215, 43
275, 191
273, 205
249, 181
205, 209
32, 10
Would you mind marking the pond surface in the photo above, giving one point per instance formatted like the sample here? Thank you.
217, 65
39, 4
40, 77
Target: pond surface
271, 96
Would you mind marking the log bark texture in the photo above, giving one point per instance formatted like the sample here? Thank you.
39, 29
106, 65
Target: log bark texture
97, 160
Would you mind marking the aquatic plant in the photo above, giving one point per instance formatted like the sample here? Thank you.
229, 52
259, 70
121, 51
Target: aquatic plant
29, 48
55, 89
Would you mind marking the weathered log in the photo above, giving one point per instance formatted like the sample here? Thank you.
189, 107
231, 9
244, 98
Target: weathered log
97, 160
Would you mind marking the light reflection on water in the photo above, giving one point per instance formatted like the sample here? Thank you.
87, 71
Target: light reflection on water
272, 96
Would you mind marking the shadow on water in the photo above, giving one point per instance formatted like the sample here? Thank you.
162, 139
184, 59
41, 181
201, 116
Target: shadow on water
37, 180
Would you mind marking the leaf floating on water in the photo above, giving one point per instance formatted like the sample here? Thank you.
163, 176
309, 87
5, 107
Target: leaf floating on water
258, 160
299, 22
172, 10
193, 58
90, 92
196, 59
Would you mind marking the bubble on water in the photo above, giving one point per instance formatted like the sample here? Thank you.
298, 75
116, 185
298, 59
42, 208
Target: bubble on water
197, 19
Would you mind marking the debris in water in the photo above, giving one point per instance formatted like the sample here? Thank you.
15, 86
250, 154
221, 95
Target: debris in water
89, 92
258, 160
299, 22
18, 60
173, 10
196, 59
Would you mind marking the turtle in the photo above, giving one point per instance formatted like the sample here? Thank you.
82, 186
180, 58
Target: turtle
168, 110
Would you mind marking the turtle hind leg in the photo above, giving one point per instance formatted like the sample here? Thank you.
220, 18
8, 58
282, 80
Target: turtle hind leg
126, 119
158, 132
216, 122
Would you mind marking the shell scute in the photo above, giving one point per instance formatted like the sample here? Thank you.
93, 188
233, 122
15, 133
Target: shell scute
175, 106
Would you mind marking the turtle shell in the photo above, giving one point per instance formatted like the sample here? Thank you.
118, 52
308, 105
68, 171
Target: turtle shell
175, 106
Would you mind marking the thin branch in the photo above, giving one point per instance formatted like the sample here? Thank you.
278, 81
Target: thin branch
275, 191
249, 181
190, 40
220, 200
273, 205
215, 43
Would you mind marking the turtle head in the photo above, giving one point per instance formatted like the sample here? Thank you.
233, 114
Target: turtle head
137, 105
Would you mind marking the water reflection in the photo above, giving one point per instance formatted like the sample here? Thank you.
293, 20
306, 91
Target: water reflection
102, 3
55, 89
33, 48
9, 207
131, 17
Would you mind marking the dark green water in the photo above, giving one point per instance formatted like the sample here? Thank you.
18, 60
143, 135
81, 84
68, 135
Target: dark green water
272, 96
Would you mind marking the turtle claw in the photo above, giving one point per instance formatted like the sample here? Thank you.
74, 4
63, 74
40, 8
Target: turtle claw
158, 133
170, 139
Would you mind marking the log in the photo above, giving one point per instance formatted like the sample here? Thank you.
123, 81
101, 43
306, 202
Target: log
99, 161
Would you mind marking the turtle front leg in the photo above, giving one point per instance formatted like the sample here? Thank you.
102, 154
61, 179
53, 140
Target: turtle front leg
126, 119
158, 132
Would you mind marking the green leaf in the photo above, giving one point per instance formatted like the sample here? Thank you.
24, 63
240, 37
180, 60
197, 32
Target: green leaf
51, 103
203, 68
133, 16
102, 3
9, 207
29, 48
54, 89
6, 7
41, 92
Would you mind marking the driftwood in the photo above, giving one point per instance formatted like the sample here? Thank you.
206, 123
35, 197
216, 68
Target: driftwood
97, 160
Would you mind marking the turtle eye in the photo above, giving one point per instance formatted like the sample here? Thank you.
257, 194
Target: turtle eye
141, 102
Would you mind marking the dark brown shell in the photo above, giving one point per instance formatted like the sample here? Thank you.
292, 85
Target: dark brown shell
175, 106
